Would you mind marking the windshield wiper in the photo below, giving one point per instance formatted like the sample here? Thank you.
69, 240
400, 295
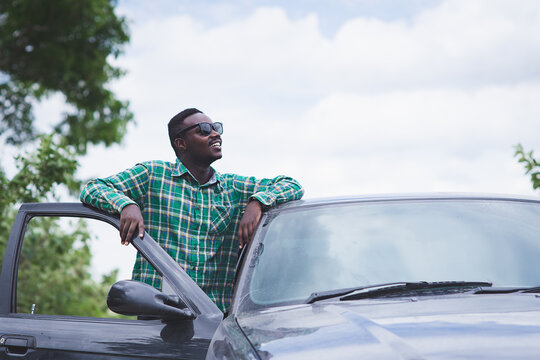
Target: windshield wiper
373, 291
323, 295
417, 288
534, 289
509, 290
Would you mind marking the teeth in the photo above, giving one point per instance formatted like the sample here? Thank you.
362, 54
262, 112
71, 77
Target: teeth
215, 145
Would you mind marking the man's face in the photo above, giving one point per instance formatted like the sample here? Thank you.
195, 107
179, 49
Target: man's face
198, 147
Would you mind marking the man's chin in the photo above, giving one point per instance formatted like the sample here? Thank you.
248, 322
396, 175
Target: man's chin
217, 157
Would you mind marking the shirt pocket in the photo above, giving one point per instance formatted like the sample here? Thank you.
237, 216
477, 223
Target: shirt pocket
221, 219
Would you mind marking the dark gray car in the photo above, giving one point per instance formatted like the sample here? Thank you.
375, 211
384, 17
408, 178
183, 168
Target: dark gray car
402, 277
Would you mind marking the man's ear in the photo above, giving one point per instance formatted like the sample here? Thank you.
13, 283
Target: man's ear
180, 144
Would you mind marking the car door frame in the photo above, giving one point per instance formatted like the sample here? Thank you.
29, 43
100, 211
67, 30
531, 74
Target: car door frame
175, 281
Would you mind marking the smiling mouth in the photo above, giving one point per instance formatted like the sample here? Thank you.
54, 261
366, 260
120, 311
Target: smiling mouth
216, 145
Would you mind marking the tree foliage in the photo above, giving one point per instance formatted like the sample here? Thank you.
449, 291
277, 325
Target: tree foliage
61, 46
53, 271
40, 173
532, 165
57, 47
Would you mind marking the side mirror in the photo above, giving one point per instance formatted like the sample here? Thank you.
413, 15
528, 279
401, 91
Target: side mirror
134, 298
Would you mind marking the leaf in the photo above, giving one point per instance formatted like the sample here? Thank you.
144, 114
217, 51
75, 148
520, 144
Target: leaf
531, 165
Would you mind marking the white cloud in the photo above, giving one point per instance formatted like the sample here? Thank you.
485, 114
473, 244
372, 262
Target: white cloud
424, 140
459, 43
433, 103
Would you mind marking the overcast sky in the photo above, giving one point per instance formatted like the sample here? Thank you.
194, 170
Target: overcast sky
347, 96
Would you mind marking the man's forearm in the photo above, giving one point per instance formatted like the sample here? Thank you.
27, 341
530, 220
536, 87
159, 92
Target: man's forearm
279, 190
115, 192
102, 196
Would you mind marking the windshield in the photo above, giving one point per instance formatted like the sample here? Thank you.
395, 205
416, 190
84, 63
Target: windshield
351, 245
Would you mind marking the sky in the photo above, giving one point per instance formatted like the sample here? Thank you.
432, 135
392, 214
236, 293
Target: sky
347, 96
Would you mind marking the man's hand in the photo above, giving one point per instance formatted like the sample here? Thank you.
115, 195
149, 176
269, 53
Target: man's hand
249, 222
131, 220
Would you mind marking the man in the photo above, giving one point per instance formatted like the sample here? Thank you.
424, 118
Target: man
199, 216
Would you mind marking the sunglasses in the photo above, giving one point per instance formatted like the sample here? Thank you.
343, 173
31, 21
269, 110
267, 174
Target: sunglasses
204, 128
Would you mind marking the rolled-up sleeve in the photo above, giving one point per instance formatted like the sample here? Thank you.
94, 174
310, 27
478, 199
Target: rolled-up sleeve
269, 192
113, 193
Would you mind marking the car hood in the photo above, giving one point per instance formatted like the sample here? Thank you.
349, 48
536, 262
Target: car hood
497, 326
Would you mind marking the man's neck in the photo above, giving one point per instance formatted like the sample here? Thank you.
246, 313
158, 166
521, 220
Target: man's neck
201, 173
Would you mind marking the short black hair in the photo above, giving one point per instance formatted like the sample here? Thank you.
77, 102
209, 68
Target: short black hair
176, 122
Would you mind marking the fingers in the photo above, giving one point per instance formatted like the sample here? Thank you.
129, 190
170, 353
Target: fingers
133, 226
141, 229
242, 236
249, 222
124, 228
131, 221
245, 231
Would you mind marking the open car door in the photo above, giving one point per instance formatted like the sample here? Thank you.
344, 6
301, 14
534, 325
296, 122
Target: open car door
180, 320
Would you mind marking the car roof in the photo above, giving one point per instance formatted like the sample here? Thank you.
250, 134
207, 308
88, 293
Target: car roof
401, 197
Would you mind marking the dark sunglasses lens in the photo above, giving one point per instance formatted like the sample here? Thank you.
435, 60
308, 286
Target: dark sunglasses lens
206, 129
218, 127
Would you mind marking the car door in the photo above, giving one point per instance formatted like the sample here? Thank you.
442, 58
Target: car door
29, 334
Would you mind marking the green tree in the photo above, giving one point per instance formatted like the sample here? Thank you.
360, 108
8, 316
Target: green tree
53, 271
532, 165
57, 47
61, 46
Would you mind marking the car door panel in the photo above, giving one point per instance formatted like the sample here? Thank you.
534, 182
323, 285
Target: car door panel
89, 338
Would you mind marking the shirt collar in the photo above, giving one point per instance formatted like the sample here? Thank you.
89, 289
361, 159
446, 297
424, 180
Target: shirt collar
181, 170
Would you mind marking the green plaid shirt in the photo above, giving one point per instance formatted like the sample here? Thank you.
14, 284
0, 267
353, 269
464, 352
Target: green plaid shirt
196, 224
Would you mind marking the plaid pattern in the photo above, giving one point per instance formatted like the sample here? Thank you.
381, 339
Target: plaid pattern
196, 224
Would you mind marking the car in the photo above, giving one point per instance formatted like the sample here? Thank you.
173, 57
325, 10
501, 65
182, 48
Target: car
435, 276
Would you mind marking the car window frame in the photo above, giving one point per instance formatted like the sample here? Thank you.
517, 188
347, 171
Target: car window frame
173, 277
